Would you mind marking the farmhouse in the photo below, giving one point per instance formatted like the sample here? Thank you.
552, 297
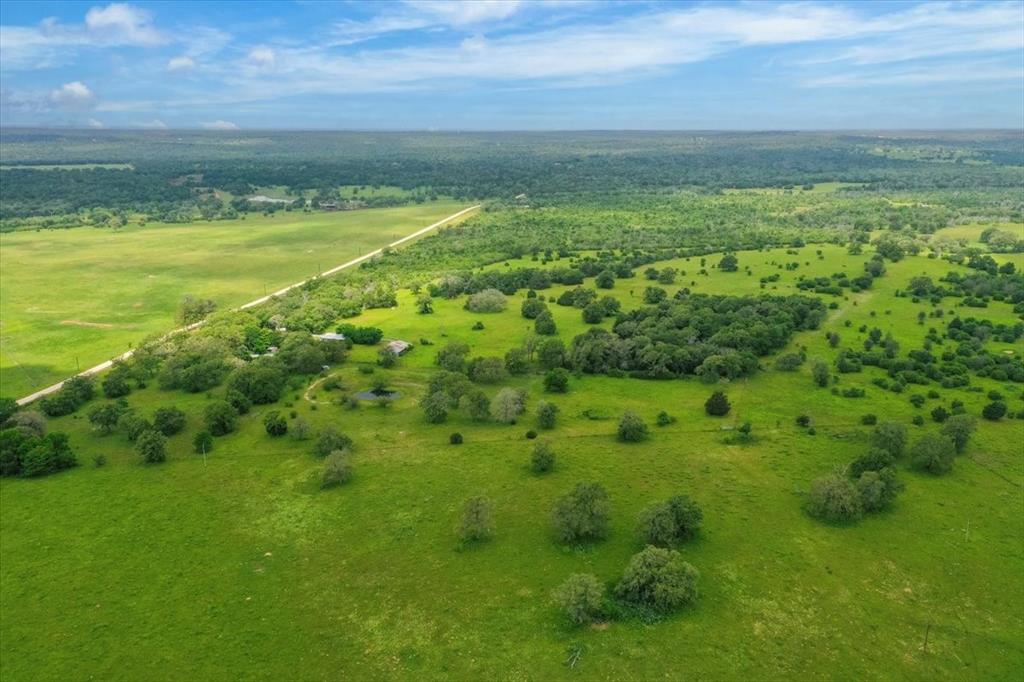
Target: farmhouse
398, 347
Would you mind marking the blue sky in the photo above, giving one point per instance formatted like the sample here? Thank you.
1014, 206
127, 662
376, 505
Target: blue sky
493, 64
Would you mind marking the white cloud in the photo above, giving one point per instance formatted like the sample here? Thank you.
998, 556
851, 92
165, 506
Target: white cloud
182, 63
93, 123
218, 125
74, 95
155, 124
467, 12
122, 24
262, 57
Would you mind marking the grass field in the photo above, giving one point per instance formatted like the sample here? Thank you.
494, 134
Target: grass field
239, 567
73, 298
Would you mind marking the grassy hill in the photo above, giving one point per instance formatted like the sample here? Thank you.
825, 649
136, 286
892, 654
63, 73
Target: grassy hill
238, 565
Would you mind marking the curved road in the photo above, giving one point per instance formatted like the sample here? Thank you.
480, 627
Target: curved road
263, 299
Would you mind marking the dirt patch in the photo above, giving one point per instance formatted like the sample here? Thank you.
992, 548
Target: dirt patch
82, 323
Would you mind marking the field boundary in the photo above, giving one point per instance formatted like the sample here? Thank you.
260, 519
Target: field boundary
252, 304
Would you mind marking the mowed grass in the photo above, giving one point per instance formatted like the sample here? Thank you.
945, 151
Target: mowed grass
239, 567
73, 298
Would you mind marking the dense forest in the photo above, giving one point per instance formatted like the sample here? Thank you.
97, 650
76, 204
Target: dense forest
174, 173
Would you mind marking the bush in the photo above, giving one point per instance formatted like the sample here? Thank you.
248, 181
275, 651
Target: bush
875, 459
958, 428
547, 414
133, 425
364, 336
435, 407
508, 404
239, 401
658, 579
487, 301
593, 313
329, 441
532, 307
455, 438
275, 424
152, 447
669, 523
517, 361
556, 380
487, 370
878, 489
31, 423
821, 374
994, 411
717, 405
940, 414
582, 513
790, 362
545, 324
665, 419
169, 420
477, 524
581, 597
835, 498
220, 418
803, 420
869, 420
104, 417
262, 383
632, 428
300, 429
933, 453
337, 469
25, 454
890, 436
531, 434
202, 443
543, 458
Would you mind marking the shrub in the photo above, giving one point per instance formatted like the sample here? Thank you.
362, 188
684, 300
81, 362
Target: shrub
152, 447
994, 411
532, 307
452, 357
544, 324
790, 362
665, 419
551, 353
940, 414
337, 469
658, 579
275, 423
517, 361
487, 370
31, 423
105, 417
435, 407
669, 523
878, 489
477, 405
42, 456
203, 442
364, 336
581, 597
821, 374
477, 524
531, 434
387, 358
582, 513
329, 441
487, 301
556, 380
300, 429
632, 428
547, 414
933, 453
958, 428
220, 418
261, 383
508, 404
717, 405
543, 458
133, 425
803, 421
834, 498
890, 436
869, 420
169, 420
875, 459
593, 313
455, 438
239, 401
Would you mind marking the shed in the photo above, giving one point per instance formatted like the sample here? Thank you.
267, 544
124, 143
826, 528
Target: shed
330, 336
398, 347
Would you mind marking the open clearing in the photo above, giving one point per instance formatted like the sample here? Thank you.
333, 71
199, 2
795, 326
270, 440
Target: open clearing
195, 566
73, 298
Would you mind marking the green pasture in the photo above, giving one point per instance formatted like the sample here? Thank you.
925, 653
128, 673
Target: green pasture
238, 566
72, 298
